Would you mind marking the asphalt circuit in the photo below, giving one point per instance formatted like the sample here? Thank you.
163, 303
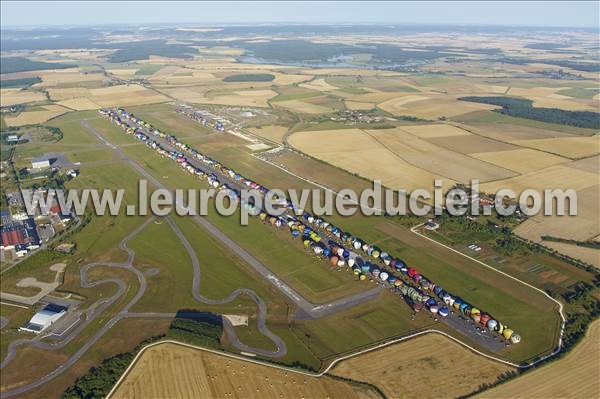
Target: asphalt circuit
308, 310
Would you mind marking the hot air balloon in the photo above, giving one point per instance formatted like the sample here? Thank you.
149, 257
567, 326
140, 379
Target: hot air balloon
515, 338
507, 333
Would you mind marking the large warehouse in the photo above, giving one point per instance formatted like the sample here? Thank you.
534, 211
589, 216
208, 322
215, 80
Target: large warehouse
45, 318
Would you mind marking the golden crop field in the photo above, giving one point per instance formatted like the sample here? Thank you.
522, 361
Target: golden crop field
571, 147
435, 130
441, 106
111, 96
557, 176
247, 98
303, 107
35, 117
582, 227
358, 152
522, 160
79, 104
412, 369
574, 376
174, 371
588, 255
270, 132
356, 105
397, 106
439, 161
65, 76
17, 96
318, 85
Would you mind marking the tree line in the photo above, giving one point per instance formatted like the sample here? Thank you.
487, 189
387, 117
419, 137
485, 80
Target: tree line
523, 108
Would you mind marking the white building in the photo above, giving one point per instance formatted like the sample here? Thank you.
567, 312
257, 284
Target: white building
44, 318
40, 163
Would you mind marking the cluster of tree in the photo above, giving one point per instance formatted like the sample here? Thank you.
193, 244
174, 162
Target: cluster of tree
250, 77
99, 380
461, 229
55, 132
23, 82
196, 332
576, 65
22, 64
523, 108
585, 244
142, 50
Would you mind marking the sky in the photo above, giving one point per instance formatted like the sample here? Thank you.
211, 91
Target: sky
527, 13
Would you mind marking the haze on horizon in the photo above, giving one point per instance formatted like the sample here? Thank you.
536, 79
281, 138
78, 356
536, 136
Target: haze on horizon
530, 13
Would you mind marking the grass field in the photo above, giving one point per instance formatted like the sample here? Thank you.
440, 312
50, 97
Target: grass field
424, 367
473, 283
574, 376
287, 259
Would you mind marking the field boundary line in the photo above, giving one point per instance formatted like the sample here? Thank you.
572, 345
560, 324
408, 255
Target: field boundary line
333, 363
316, 184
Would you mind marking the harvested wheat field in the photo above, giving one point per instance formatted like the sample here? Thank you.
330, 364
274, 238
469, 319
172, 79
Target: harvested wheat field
18, 96
270, 132
522, 160
67, 76
125, 95
557, 176
574, 376
439, 161
303, 107
79, 104
493, 89
375, 97
35, 117
588, 255
358, 152
435, 130
111, 96
246, 98
174, 371
284, 79
582, 227
356, 105
443, 106
412, 370
570, 147
319, 85
396, 106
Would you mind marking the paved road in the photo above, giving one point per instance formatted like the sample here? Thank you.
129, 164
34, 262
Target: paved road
308, 308
100, 306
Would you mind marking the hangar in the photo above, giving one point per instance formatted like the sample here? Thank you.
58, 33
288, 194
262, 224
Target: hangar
44, 318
